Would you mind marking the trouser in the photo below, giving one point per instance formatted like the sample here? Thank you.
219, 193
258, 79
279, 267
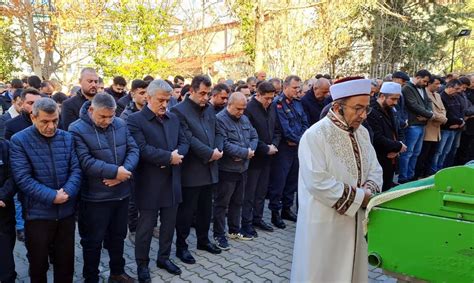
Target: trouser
423, 164
388, 172
450, 156
20, 222
7, 242
228, 199
146, 223
465, 151
132, 213
284, 178
96, 220
43, 235
414, 141
196, 200
442, 150
254, 194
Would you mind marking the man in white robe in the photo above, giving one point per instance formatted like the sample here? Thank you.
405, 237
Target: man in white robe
338, 174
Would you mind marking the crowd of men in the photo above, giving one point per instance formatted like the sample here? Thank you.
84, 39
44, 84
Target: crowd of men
191, 155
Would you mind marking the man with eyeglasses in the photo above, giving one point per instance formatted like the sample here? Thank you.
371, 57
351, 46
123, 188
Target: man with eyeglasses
338, 174
71, 107
284, 172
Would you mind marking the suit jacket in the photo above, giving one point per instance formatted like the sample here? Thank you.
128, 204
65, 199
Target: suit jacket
268, 129
17, 124
70, 109
433, 127
158, 183
199, 126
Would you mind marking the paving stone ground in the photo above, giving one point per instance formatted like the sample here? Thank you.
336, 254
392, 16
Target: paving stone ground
264, 259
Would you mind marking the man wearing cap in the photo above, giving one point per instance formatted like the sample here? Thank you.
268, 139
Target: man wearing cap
383, 122
338, 174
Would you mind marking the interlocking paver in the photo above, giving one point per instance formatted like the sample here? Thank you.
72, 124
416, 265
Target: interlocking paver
264, 259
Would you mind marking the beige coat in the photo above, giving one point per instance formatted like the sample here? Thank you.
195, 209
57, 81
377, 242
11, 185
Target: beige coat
433, 127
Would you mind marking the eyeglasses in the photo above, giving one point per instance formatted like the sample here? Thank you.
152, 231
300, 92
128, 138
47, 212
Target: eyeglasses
360, 109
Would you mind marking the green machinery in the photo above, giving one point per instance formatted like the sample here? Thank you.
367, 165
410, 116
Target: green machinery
427, 235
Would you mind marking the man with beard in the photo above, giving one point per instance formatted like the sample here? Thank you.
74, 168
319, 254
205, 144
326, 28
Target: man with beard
72, 106
418, 107
383, 122
219, 97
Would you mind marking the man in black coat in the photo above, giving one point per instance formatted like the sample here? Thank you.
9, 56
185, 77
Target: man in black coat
198, 121
7, 217
162, 146
22, 121
385, 126
313, 101
261, 113
71, 107
419, 111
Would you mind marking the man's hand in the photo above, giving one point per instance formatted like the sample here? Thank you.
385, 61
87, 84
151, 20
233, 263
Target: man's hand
404, 148
392, 155
422, 119
272, 149
454, 126
367, 196
250, 154
176, 158
290, 143
2, 204
111, 182
61, 197
123, 174
216, 155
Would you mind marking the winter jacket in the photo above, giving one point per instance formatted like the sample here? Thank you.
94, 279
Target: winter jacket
41, 167
238, 136
101, 152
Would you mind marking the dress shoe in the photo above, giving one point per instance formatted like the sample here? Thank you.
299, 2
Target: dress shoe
185, 256
122, 278
263, 226
169, 266
288, 215
143, 274
276, 220
209, 247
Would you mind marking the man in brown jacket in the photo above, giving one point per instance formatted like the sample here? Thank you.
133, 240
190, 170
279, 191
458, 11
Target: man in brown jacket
432, 129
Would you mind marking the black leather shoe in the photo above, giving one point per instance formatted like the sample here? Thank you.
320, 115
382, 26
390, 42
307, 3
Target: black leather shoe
288, 215
143, 274
185, 256
276, 220
212, 248
169, 266
122, 278
263, 226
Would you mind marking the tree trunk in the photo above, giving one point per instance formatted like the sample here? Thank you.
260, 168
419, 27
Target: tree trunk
34, 48
259, 37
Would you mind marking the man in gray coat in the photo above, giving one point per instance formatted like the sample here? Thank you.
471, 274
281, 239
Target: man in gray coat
240, 142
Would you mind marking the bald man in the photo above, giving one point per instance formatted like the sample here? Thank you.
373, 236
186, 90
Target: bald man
240, 142
261, 76
313, 101
71, 107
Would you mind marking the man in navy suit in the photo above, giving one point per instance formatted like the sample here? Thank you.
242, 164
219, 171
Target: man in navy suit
162, 146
